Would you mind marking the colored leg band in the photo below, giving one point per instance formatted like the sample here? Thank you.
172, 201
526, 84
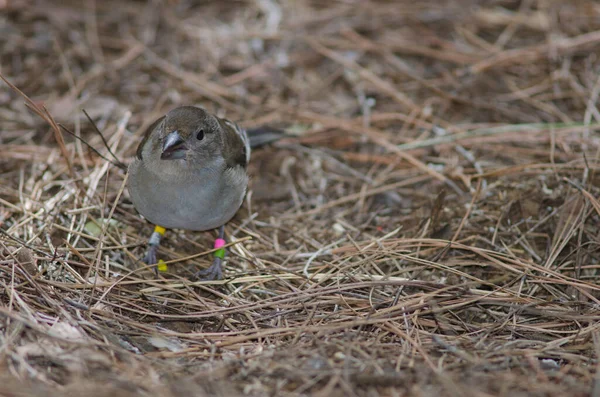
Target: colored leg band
220, 253
162, 266
160, 230
219, 243
155, 238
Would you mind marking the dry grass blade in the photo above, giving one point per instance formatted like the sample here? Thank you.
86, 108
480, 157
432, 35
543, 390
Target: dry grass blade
47, 117
429, 228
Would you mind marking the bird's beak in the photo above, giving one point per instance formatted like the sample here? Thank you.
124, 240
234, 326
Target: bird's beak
174, 147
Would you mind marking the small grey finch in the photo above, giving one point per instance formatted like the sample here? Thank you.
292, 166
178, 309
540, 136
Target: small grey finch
190, 173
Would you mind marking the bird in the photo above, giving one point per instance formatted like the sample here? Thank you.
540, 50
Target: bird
190, 172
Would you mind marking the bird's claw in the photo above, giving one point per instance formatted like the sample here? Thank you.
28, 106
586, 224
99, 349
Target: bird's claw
214, 272
150, 257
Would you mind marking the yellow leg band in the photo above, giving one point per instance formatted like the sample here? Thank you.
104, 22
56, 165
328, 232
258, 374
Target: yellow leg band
162, 266
160, 230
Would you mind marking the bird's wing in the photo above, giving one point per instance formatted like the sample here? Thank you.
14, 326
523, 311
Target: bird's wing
236, 145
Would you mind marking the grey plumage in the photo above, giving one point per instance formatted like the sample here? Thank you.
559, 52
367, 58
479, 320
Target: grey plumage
204, 185
190, 173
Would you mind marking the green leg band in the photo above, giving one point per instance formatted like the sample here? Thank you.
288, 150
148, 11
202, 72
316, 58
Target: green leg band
220, 253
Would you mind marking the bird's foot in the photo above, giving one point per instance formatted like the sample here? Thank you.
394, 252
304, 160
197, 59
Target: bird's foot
150, 257
214, 272
153, 244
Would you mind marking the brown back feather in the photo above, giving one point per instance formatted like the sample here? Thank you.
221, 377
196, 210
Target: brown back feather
234, 149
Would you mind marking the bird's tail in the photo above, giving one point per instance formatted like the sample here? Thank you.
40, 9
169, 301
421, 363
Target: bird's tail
261, 136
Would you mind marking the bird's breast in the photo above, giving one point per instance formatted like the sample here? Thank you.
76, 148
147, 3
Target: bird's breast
200, 200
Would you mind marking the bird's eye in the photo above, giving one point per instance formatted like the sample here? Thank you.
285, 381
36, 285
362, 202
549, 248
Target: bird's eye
200, 135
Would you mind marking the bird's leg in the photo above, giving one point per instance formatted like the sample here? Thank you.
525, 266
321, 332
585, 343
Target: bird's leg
215, 271
153, 244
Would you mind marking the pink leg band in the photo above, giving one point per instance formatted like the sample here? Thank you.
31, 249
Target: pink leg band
219, 243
